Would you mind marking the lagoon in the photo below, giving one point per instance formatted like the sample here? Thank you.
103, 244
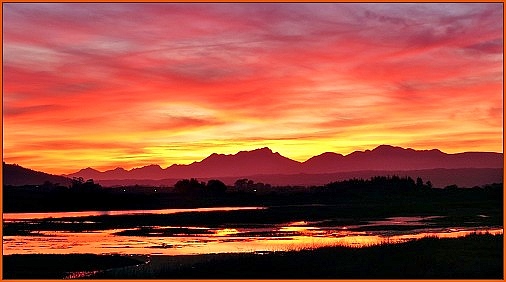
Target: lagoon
135, 231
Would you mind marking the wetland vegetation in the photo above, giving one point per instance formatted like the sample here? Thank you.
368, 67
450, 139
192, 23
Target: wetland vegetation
473, 256
283, 218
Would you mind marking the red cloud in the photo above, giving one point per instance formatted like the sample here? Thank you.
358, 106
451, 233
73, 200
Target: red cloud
285, 72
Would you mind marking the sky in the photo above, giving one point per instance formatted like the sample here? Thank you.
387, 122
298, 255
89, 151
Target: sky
108, 85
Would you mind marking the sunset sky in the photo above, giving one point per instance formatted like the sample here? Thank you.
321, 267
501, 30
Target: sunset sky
127, 85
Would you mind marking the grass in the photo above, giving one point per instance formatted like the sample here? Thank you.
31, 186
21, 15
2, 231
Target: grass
46, 266
471, 257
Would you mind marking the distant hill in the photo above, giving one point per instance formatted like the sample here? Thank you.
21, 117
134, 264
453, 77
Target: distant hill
440, 177
387, 157
266, 162
17, 176
259, 161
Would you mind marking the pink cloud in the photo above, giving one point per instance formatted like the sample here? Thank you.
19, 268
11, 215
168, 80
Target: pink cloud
279, 70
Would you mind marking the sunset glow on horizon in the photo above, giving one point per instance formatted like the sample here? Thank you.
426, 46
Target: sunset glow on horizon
108, 85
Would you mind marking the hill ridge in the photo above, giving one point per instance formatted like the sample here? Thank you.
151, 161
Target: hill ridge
265, 161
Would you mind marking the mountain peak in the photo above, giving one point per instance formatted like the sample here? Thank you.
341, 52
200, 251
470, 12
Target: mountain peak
265, 150
263, 161
397, 149
119, 169
386, 148
88, 169
155, 166
211, 157
14, 174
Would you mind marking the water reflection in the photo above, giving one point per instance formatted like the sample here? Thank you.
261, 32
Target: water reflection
178, 240
46, 215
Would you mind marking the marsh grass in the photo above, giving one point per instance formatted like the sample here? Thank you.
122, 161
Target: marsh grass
476, 256
471, 257
46, 266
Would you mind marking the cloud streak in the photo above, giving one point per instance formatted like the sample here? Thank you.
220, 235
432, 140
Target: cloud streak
177, 81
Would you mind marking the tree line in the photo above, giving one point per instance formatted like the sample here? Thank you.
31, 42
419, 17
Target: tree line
193, 186
377, 183
216, 187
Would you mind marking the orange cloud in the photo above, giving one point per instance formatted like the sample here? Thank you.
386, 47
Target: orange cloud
117, 84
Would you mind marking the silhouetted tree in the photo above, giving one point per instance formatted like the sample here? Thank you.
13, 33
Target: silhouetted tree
452, 187
428, 184
419, 182
78, 184
241, 183
191, 186
375, 184
215, 187
48, 185
248, 185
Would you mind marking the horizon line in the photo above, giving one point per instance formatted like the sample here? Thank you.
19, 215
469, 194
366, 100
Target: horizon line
262, 148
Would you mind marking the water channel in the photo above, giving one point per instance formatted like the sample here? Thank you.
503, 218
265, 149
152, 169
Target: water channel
170, 239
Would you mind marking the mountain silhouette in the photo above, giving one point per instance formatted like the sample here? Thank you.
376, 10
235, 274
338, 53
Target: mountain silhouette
147, 172
259, 161
88, 173
386, 157
463, 177
17, 176
266, 162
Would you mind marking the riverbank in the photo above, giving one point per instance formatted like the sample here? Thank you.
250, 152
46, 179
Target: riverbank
49, 266
473, 256
382, 200
470, 257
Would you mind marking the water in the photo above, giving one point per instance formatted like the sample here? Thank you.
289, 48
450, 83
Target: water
189, 240
31, 216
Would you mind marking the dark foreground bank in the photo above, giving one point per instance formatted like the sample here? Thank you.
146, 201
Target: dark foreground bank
42, 266
473, 257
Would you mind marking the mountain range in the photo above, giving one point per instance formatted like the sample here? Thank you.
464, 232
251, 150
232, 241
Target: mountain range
16, 175
264, 161
466, 169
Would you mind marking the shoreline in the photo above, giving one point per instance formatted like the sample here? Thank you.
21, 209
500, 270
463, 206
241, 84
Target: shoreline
473, 256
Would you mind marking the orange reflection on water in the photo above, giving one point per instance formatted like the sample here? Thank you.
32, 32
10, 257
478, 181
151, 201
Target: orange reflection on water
225, 232
222, 241
33, 216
